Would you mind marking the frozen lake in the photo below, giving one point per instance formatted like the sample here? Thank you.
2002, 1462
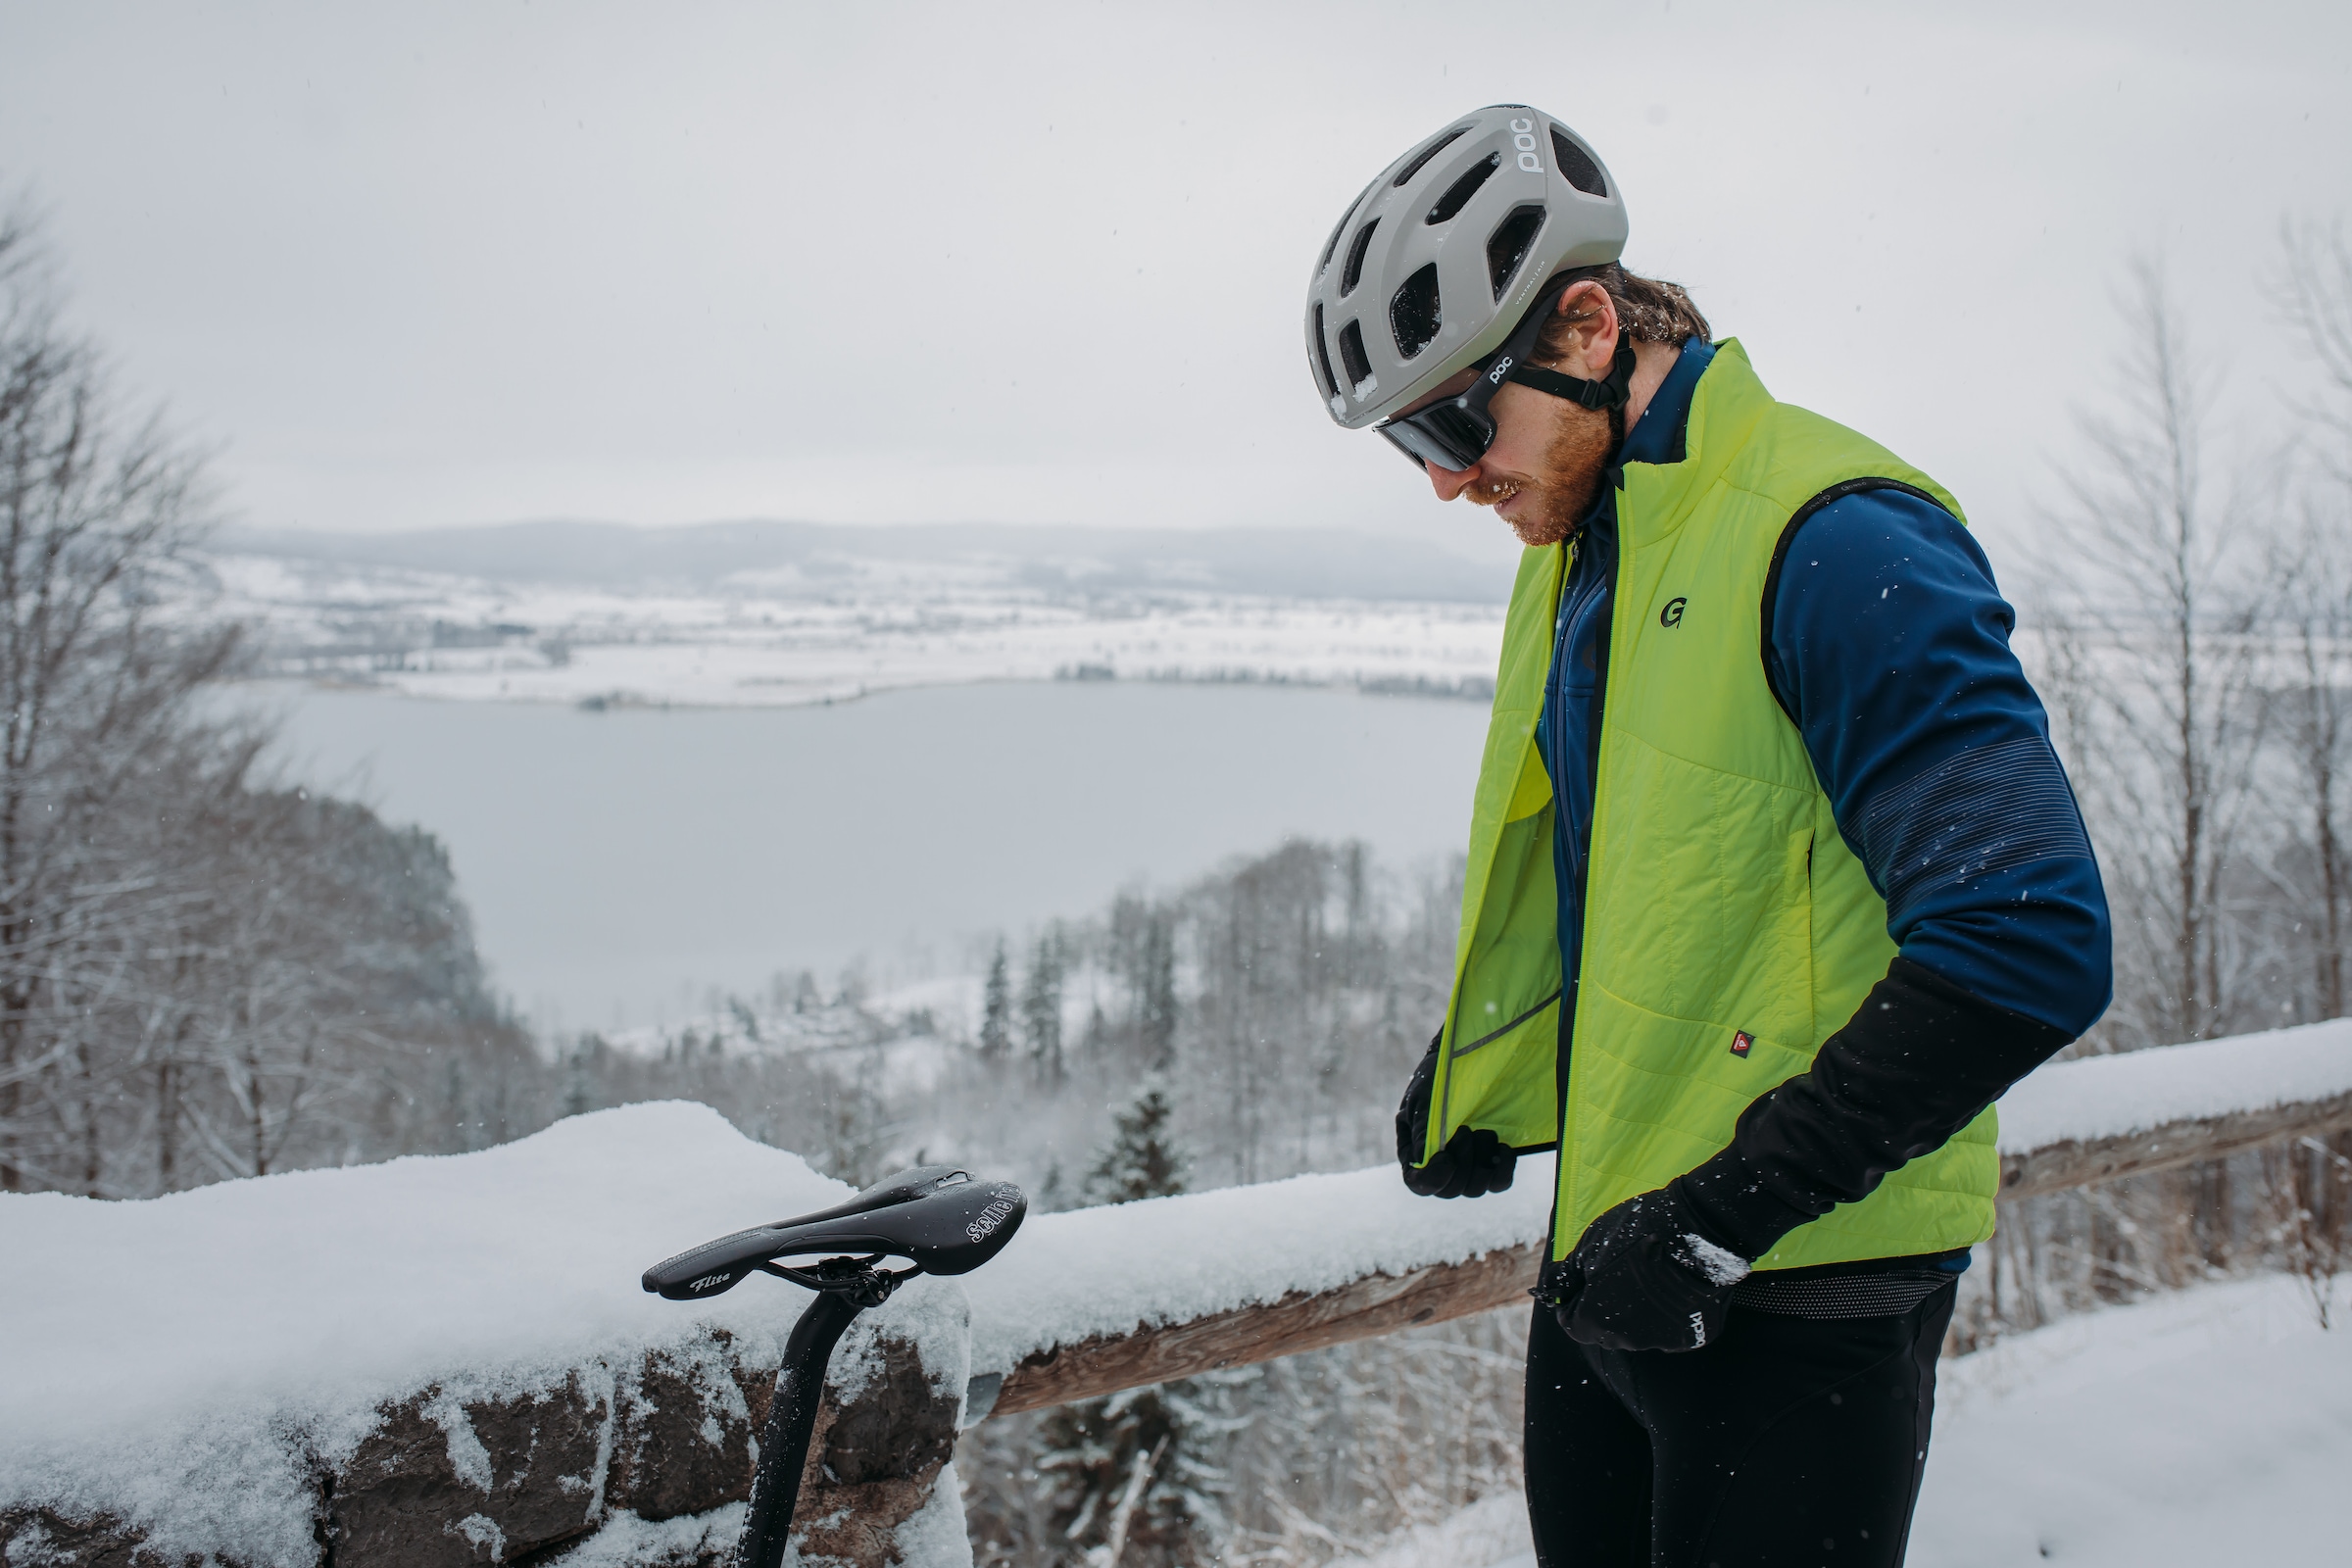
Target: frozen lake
620, 863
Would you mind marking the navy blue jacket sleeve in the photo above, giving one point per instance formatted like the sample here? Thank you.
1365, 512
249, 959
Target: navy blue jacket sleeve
1890, 645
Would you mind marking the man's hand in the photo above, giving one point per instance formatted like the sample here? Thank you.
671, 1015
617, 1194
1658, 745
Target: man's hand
1645, 1276
1474, 1162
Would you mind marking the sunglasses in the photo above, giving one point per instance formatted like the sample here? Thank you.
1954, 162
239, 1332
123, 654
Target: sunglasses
1455, 432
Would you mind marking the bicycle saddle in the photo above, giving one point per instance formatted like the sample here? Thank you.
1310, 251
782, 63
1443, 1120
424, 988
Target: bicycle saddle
934, 1216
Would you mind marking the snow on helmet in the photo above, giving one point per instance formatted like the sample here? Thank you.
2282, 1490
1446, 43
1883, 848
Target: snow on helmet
1431, 267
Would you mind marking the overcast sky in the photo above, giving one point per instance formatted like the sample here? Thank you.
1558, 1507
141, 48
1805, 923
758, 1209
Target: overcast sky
423, 265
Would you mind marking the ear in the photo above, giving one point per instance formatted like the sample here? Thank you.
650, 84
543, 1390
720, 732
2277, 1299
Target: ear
1592, 317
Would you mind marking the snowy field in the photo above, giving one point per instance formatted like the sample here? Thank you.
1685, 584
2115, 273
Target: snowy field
790, 635
2209, 1428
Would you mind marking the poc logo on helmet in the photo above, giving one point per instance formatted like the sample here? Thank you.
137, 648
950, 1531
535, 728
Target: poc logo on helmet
1523, 137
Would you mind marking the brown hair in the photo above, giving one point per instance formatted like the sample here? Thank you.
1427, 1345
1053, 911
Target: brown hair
1648, 310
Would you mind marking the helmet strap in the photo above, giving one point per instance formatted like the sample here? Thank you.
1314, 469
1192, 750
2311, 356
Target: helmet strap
1605, 396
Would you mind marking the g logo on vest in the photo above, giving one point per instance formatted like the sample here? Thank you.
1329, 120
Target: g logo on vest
1672, 615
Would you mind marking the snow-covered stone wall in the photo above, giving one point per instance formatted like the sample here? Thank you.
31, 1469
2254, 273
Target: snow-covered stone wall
449, 1361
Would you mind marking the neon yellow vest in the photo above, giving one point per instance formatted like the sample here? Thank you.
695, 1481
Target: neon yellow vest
1720, 899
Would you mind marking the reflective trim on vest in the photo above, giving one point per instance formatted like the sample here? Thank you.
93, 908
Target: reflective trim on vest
1721, 901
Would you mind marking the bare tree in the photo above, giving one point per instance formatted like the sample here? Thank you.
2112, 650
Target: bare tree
94, 689
2161, 636
202, 973
2310, 621
2317, 301
2311, 588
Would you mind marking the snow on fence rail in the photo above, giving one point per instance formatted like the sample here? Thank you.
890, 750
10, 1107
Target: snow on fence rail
447, 1363
1265, 1270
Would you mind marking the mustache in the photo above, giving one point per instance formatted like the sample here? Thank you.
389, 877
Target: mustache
1492, 492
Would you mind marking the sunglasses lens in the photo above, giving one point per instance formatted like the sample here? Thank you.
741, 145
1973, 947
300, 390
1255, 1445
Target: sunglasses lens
1402, 441
1445, 433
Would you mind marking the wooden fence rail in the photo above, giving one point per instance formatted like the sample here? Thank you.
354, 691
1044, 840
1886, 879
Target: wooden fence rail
1382, 1303
2086, 1163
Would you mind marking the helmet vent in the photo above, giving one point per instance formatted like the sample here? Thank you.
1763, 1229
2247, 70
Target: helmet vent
1331, 388
1355, 269
1421, 159
1415, 313
1333, 244
1577, 166
1340, 227
1509, 245
1457, 195
1351, 353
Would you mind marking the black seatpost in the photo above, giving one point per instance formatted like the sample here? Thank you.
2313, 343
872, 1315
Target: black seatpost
792, 1414
934, 1217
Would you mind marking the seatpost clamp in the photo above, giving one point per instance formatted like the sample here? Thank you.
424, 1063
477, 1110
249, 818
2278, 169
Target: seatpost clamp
855, 1280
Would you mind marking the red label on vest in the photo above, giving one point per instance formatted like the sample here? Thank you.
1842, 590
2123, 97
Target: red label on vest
1740, 1041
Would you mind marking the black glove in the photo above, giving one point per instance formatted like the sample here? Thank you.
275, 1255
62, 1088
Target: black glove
1648, 1275
1474, 1162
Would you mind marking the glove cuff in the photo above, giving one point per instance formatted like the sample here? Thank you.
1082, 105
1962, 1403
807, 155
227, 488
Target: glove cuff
1412, 1114
1727, 1231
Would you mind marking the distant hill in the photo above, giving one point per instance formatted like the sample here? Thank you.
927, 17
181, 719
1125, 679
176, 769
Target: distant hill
1291, 562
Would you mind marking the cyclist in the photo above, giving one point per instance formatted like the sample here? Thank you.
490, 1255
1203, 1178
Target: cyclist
1774, 882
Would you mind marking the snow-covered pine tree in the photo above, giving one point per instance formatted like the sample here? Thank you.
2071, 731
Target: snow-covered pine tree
1142, 1158
1130, 1478
996, 1010
1102, 1469
1052, 1194
1040, 1007
1155, 992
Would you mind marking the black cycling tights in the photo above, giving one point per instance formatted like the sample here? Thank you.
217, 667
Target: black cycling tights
1788, 1442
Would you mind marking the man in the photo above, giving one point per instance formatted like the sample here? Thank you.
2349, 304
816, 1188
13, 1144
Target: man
1774, 881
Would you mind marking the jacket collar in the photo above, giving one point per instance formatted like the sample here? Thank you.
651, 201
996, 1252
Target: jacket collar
1660, 434
1726, 403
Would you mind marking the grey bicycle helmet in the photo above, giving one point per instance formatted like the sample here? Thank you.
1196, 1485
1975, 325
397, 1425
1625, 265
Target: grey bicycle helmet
1431, 267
